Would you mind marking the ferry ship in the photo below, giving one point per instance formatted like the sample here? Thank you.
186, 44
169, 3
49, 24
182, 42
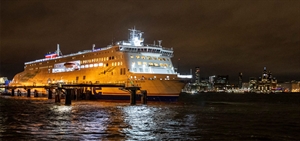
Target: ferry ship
131, 62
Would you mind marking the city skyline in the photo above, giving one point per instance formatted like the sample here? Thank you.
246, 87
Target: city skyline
220, 38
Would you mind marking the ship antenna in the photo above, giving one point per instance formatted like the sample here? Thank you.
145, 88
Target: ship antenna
94, 47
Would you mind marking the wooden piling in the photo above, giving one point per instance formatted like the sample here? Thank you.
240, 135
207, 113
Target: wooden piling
49, 94
68, 96
12, 92
144, 96
28, 93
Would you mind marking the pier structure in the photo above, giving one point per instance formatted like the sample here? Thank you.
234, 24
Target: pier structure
74, 91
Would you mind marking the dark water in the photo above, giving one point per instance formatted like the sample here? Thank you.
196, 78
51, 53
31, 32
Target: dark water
197, 117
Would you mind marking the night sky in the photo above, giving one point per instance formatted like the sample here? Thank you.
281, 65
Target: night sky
221, 37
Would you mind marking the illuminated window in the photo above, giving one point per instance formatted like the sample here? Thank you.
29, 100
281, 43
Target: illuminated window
100, 64
143, 57
151, 64
149, 58
155, 64
137, 57
95, 65
139, 63
145, 63
131, 56
91, 65
86, 66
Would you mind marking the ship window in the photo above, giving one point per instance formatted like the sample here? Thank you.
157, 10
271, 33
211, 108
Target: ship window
91, 65
83, 78
134, 69
151, 64
95, 65
137, 57
86, 66
106, 64
100, 64
145, 63
161, 64
149, 58
109, 58
112, 64
77, 78
112, 57
168, 59
141, 69
155, 64
139, 63
143, 57
131, 56
82, 66
164, 59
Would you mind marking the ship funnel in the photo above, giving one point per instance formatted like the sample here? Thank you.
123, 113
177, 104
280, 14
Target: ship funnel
159, 43
58, 52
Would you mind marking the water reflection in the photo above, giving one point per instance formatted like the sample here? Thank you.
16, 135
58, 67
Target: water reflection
42, 119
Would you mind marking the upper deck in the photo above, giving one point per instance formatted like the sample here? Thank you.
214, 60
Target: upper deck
134, 45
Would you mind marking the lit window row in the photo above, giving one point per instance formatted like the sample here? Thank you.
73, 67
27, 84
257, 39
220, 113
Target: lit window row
100, 65
152, 64
150, 58
100, 59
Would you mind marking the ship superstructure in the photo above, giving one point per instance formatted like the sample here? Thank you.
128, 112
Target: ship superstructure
131, 62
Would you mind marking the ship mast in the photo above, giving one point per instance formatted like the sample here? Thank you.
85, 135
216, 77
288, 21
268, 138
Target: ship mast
136, 37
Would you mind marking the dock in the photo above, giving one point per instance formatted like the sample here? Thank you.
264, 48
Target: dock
71, 90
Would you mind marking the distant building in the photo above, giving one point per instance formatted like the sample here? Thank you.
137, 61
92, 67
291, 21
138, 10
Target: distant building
219, 82
292, 86
240, 84
3, 82
264, 84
